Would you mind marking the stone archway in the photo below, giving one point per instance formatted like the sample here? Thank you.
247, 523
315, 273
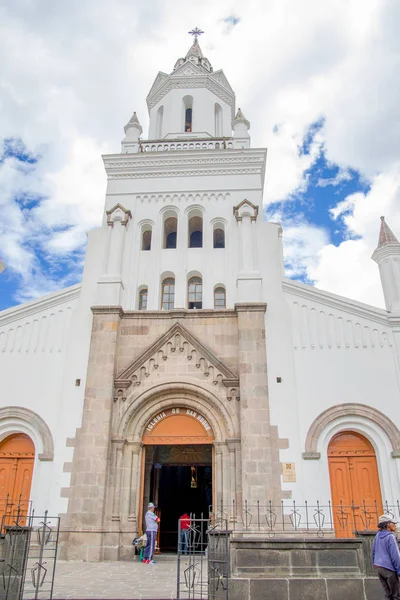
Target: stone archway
349, 410
128, 461
18, 419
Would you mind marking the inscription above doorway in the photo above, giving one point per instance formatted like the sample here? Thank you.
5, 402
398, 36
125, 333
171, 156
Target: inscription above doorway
178, 426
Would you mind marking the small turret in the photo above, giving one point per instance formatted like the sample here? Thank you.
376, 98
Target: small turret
2, 266
241, 126
387, 256
133, 131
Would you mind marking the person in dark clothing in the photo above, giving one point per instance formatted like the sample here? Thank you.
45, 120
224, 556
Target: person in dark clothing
386, 557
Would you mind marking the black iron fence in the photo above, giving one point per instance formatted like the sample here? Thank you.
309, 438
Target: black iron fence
14, 511
28, 549
289, 517
203, 561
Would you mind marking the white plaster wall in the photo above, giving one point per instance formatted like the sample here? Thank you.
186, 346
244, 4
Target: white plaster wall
203, 112
215, 196
34, 339
335, 353
44, 348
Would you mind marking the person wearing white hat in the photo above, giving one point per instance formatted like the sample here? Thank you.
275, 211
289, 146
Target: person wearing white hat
386, 557
152, 522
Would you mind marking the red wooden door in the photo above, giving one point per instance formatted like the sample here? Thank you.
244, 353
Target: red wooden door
17, 454
356, 495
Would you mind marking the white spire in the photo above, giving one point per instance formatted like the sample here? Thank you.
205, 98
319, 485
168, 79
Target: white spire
387, 257
134, 124
241, 126
195, 50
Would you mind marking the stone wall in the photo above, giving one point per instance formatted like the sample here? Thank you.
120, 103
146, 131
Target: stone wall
302, 569
141, 363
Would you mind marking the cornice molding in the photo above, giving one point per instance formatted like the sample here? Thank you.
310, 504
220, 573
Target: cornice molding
336, 302
183, 164
384, 252
251, 307
176, 313
45, 303
107, 310
198, 173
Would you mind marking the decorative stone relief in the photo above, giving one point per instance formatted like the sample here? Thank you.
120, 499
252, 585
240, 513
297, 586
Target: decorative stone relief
118, 213
245, 209
178, 342
314, 328
181, 198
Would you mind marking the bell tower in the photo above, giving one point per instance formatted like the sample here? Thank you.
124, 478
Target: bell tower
194, 101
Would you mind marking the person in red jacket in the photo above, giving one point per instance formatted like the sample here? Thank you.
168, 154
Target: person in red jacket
184, 521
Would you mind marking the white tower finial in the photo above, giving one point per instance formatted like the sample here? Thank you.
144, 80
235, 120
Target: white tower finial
133, 131
387, 256
241, 126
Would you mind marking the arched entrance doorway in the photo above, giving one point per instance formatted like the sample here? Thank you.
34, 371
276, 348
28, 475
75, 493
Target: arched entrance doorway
356, 494
17, 454
177, 468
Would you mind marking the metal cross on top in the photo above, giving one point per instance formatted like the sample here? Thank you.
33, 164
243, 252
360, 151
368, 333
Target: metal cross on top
196, 32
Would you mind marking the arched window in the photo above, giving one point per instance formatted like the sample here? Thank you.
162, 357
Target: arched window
219, 237
159, 122
188, 113
195, 292
218, 120
196, 231
146, 237
219, 297
170, 232
168, 293
143, 299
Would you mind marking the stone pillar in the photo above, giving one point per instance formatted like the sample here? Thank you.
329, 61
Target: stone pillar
117, 462
86, 513
260, 477
218, 494
248, 279
233, 459
133, 486
110, 284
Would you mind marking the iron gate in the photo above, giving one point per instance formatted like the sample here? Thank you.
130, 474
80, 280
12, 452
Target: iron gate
29, 552
203, 561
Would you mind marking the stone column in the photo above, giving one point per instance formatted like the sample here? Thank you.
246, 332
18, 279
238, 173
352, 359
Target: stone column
118, 451
248, 279
134, 481
232, 445
260, 477
91, 461
110, 284
218, 494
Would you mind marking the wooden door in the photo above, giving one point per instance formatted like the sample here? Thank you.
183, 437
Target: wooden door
17, 454
356, 495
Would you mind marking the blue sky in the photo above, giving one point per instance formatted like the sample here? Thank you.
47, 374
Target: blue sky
318, 82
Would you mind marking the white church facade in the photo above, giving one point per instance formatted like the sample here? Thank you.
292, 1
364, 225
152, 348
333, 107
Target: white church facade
186, 368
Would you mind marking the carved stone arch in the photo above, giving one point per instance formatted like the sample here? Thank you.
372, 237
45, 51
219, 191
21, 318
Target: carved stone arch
350, 410
18, 418
168, 395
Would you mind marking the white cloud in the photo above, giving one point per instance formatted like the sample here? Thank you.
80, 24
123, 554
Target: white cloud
348, 268
73, 72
